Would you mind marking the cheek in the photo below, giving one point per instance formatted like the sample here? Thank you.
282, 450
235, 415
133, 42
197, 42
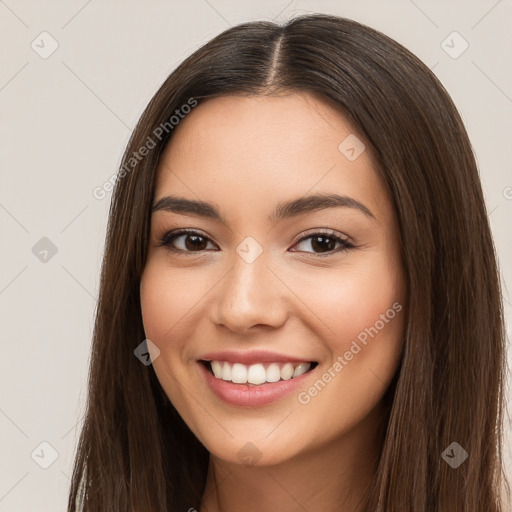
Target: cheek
167, 301
171, 302
351, 299
162, 307
364, 310
164, 316
360, 310
156, 301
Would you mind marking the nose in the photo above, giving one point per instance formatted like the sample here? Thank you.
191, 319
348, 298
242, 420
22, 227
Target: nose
250, 295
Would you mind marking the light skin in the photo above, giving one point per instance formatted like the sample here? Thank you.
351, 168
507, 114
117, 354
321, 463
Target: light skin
301, 296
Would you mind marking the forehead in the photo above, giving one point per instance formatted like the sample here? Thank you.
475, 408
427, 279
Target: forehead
258, 150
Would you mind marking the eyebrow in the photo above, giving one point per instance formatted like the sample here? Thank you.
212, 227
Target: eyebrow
283, 210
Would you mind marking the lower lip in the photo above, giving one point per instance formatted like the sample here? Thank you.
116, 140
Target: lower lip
244, 395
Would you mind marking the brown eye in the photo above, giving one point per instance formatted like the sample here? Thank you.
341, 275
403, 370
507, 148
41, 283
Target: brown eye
324, 244
190, 241
184, 242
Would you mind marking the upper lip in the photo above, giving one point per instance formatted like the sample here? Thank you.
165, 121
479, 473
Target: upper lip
252, 357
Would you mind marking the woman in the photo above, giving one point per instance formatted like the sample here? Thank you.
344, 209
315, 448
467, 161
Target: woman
337, 341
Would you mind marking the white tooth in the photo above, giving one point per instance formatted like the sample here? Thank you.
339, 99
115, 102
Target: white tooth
301, 368
273, 373
239, 374
256, 374
217, 369
226, 371
287, 371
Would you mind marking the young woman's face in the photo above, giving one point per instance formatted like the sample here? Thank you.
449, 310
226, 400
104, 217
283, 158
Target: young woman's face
272, 274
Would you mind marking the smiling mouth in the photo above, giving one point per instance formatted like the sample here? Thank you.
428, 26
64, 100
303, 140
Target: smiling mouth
257, 374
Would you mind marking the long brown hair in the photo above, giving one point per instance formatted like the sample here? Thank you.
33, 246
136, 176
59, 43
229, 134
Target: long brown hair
136, 453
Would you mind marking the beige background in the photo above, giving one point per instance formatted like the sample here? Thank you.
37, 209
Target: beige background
64, 122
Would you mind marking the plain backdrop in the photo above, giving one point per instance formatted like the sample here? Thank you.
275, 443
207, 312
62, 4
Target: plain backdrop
75, 75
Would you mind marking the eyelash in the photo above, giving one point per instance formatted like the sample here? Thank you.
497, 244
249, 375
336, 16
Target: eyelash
168, 238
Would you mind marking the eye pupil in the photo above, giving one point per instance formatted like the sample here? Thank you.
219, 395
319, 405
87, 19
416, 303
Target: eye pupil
198, 242
323, 245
